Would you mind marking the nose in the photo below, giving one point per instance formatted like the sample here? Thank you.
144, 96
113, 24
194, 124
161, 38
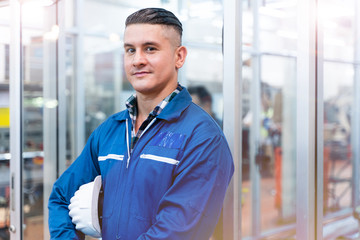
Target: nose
139, 58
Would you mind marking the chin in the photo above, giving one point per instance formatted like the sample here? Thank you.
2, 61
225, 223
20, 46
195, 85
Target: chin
140, 83
143, 88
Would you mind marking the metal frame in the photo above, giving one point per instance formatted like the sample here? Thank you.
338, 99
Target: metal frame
61, 75
306, 119
355, 120
232, 92
255, 103
79, 80
53, 130
16, 126
319, 124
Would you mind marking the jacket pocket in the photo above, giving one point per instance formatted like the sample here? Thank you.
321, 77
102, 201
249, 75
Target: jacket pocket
158, 158
106, 160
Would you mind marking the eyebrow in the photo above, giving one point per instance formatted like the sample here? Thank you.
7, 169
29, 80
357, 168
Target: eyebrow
143, 44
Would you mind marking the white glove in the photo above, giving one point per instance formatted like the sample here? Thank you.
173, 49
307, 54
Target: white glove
84, 208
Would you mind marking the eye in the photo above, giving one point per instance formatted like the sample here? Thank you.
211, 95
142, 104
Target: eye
150, 49
130, 50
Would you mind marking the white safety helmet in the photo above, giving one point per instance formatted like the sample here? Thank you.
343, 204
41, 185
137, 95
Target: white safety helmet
84, 208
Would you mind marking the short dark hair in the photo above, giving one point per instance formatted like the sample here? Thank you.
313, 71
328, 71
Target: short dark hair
201, 92
155, 16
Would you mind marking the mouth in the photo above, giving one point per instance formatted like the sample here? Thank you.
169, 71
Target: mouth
141, 73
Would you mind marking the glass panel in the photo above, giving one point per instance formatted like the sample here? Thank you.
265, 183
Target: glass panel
337, 18
37, 36
203, 70
278, 123
338, 100
204, 79
275, 151
110, 20
268, 100
70, 97
276, 25
69, 8
4, 122
106, 90
247, 204
203, 22
339, 46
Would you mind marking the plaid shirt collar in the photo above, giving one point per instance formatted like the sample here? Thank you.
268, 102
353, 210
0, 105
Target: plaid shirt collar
131, 105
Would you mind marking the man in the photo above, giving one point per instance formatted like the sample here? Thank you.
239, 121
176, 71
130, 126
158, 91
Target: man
164, 163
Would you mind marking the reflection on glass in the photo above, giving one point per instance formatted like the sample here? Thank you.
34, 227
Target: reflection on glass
338, 99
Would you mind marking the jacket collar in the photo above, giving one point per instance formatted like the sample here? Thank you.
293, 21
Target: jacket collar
172, 110
175, 108
122, 116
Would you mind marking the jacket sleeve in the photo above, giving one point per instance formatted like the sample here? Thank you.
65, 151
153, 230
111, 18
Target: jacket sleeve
83, 170
191, 207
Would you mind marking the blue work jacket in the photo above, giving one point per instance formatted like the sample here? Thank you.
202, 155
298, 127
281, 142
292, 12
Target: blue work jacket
171, 186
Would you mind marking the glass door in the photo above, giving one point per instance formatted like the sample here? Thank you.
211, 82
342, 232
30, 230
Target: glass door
33, 78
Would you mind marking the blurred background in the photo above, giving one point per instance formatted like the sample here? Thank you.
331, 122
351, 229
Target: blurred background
61, 75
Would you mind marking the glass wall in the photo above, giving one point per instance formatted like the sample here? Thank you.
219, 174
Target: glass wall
73, 80
270, 49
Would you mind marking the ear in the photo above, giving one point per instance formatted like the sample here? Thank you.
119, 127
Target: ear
180, 56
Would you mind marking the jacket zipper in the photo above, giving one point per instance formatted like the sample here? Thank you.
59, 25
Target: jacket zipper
127, 143
127, 138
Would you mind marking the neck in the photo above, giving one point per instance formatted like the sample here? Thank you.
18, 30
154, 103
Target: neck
146, 103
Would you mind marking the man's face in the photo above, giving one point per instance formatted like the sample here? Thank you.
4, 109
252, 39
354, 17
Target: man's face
152, 58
